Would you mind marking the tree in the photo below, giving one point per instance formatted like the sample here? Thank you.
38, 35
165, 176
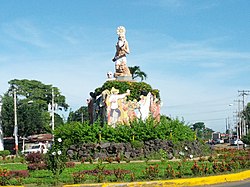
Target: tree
137, 73
79, 115
246, 139
207, 133
33, 90
33, 98
199, 129
246, 114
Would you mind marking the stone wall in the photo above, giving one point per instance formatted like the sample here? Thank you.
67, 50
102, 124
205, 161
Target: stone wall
134, 150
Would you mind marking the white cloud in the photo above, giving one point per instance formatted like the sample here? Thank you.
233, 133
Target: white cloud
24, 31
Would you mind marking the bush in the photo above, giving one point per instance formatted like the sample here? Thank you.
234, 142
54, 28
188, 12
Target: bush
246, 139
4, 153
134, 87
19, 173
34, 158
76, 133
5, 176
37, 166
137, 144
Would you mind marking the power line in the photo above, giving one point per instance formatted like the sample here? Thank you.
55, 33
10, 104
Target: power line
209, 103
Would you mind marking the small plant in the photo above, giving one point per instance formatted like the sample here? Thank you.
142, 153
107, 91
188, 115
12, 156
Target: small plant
196, 170
70, 164
100, 174
215, 167
169, 172
83, 160
202, 159
90, 160
109, 160
210, 158
179, 172
151, 172
118, 159
132, 177
78, 177
120, 174
163, 154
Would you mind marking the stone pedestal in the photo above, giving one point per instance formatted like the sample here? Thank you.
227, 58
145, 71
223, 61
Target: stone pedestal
124, 78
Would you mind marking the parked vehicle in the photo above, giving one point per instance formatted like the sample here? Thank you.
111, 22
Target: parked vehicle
236, 142
36, 148
219, 141
216, 136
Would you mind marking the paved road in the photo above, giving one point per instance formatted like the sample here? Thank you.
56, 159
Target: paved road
245, 183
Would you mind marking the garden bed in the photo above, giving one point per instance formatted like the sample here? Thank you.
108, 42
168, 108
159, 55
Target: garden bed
228, 161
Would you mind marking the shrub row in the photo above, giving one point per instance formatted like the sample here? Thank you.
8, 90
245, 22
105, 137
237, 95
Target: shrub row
78, 133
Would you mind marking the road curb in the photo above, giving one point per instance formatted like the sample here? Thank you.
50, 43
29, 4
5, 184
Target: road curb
175, 182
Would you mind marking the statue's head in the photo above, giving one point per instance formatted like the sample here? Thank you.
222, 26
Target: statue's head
110, 75
121, 31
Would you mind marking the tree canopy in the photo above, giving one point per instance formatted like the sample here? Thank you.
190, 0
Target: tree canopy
137, 73
33, 90
32, 99
80, 115
202, 131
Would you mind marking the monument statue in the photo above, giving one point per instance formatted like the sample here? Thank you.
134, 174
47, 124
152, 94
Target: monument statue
122, 49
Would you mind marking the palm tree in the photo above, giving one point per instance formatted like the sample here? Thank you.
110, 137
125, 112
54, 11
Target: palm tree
137, 73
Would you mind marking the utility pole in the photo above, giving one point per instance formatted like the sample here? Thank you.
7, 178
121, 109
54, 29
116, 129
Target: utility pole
226, 125
1, 129
243, 93
51, 108
15, 122
53, 111
238, 123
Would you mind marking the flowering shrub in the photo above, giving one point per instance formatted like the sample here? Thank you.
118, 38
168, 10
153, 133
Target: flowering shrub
100, 173
5, 176
37, 166
56, 159
19, 173
34, 158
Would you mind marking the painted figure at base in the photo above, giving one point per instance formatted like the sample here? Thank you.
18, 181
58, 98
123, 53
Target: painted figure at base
122, 49
115, 111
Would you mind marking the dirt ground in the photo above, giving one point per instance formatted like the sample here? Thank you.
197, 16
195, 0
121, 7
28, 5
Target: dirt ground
227, 145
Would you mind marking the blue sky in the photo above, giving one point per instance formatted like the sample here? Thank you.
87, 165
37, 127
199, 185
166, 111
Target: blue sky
196, 52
